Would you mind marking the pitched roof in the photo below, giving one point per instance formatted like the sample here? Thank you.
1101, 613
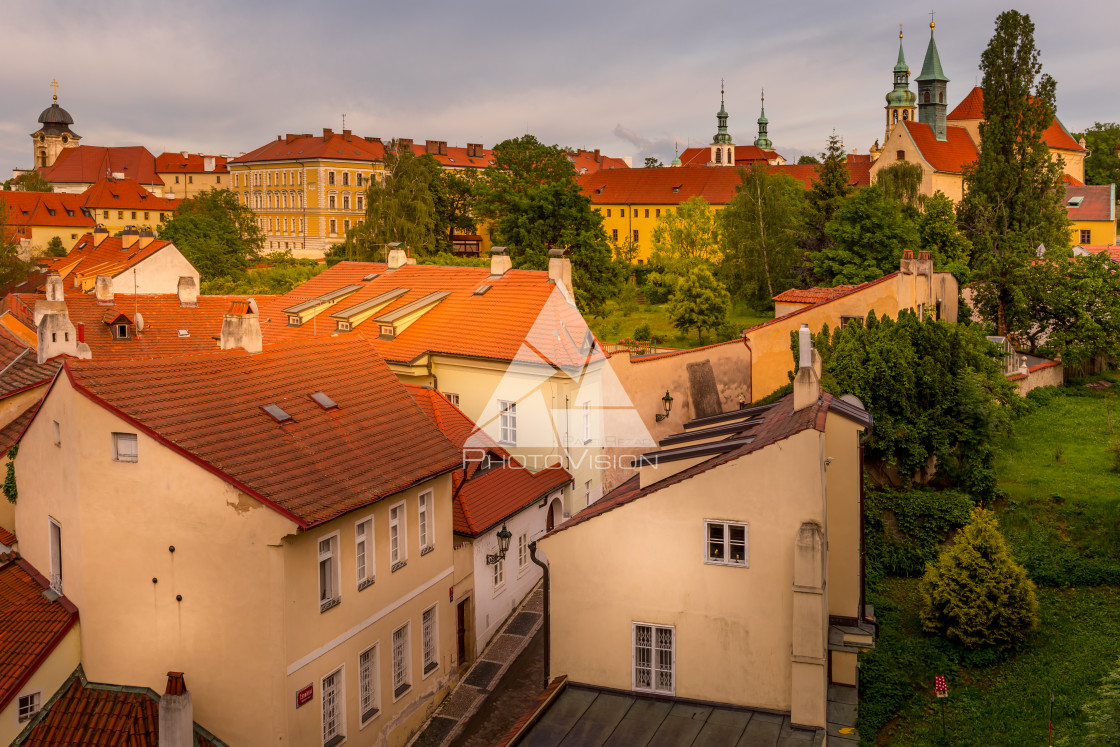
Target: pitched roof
31, 625
46, 209
91, 163
745, 155
124, 194
7, 537
11, 433
1096, 203
849, 290
189, 163
812, 295
107, 258
523, 316
482, 499
1112, 249
971, 106
93, 714
20, 368
346, 146
320, 464
1055, 135
950, 155
590, 161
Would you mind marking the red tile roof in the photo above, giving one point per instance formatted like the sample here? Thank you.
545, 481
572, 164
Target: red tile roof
522, 317
346, 146
20, 369
971, 107
319, 465
811, 295
1072, 181
590, 161
86, 164
484, 499
745, 155
191, 163
950, 155
1112, 249
1055, 136
1097, 202
7, 537
10, 435
107, 258
96, 715
125, 194
850, 290
31, 626
46, 209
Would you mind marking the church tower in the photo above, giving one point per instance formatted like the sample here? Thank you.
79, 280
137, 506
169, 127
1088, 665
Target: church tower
53, 134
723, 150
931, 90
900, 101
762, 141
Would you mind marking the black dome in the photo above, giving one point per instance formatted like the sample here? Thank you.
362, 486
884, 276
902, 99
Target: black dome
55, 114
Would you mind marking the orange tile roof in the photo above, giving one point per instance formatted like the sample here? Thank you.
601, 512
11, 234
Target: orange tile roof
91, 163
191, 163
124, 194
107, 258
97, 715
971, 107
319, 465
46, 209
346, 146
811, 295
745, 155
484, 499
1055, 136
1097, 202
850, 290
522, 317
31, 626
20, 369
590, 161
7, 537
11, 433
950, 155
1112, 249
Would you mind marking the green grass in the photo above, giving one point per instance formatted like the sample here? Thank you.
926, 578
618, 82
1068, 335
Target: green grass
620, 323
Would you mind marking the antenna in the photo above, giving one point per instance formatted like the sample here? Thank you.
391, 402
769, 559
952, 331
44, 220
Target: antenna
344, 121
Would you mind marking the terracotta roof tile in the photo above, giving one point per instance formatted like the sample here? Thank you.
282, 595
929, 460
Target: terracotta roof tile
588, 161
345, 146
46, 209
124, 194
811, 295
192, 163
1113, 250
950, 155
91, 163
850, 289
20, 368
30, 625
107, 258
11, 433
1096, 202
7, 537
745, 155
319, 465
1055, 136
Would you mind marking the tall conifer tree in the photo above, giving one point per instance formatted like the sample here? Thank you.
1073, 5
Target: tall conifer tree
828, 192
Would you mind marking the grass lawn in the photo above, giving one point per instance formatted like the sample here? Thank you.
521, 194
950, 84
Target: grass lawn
619, 324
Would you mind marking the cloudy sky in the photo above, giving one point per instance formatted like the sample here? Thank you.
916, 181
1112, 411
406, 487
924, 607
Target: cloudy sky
629, 78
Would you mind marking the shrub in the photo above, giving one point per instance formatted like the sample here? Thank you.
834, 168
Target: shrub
643, 332
1103, 714
976, 594
905, 530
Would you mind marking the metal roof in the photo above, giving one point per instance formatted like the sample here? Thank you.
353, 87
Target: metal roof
371, 303
428, 300
320, 300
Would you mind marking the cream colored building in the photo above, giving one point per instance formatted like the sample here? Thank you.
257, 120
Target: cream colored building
186, 175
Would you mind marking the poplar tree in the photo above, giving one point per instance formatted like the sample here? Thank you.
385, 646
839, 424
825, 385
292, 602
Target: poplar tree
1014, 194
825, 197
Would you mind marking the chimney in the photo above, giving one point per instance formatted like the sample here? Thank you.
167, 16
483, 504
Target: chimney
474, 150
560, 270
807, 383
103, 289
129, 237
598, 158
241, 328
100, 234
289, 138
346, 135
499, 261
81, 331
328, 133
404, 143
176, 713
183, 153
432, 147
55, 291
208, 163
398, 256
146, 237
188, 292
55, 335
118, 175
923, 265
906, 266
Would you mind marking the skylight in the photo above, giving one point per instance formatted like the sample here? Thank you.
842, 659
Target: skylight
324, 401
369, 277
481, 290
1075, 201
277, 413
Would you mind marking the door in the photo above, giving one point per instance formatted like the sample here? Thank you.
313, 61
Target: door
462, 625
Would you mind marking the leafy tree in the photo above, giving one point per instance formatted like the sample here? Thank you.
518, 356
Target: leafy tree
758, 233
902, 181
685, 237
281, 273
13, 268
55, 248
453, 194
867, 235
1102, 723
807, 159
216, 233
825, 197
939, 234
626, 251
700, 302
1014, 194
29, 181
1103, 164
653, 162
976, 594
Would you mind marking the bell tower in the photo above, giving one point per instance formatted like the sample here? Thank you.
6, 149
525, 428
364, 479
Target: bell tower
723, 150
54, 133
931, 90
763, 141
901, 101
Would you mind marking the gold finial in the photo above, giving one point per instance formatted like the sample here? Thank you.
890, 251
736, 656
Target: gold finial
900, 31
764, 95
931, 23
54, 90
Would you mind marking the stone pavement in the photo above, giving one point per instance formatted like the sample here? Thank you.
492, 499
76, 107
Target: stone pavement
448, 721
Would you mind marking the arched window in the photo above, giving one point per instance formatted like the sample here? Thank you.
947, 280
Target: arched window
896, 116
905, 115
719, 155
927, 97
941, 98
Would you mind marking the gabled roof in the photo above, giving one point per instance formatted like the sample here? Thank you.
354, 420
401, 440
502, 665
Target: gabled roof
86, 164
31, 625
522, 317
107, 258
20, 368
346, 146
190, 163
1055, 136
950, 155
971, 107
318, 465
812, 295
1096, 203
11, 433
745, 155
849, 290
46, 209
124, 194
590, 161
1112, 250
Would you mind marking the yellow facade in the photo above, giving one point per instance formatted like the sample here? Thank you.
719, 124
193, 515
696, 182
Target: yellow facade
51, 675
635, 223
184, 186
1100, 232
117, 219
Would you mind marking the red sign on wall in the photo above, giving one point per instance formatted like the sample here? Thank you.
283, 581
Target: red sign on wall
303, 697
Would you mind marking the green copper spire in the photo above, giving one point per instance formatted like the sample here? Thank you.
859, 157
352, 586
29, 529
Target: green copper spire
676, 155
722, 136
901, 66
762, 141
932, 91
931, 68
901, 96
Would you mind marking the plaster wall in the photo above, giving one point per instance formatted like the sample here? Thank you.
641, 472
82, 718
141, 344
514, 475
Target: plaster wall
159, 273
1102, 232
845, 517
50, 676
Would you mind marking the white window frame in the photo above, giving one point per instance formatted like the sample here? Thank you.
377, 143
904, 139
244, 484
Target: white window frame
429, 640
498, 576
507, 422
339, 699
653, 664
25, 713
725, 551
398, 532
364, 570
402, 667
332, 555
522, 552
587, 493
123, 454
369, 679
452, 398
425, 524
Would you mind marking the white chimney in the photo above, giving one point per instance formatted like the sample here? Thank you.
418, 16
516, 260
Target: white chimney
398, 257
241, 327
55, 334
176, 713
55, 291
208, 163
560, 270
807, 383
188, 292
804, 347
103, 289
118, 175
499, 261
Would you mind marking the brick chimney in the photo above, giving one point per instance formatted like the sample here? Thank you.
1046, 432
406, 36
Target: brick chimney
328, 133
560, 270
906, 266
807, 383
128, 238
176, 713
474, 150
100, 234
347, 135
103, 290
500, 262
146, 237
241, 327
404, 143
188, 292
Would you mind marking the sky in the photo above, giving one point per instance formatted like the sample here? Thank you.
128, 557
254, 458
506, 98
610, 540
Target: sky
632, 79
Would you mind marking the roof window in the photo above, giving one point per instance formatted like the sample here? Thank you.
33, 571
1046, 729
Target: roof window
369, 277
278, 414
324, 401
1075, 201
677, 188
481, 290
184, 333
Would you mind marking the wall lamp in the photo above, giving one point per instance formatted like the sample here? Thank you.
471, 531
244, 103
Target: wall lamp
667, 401
504, 536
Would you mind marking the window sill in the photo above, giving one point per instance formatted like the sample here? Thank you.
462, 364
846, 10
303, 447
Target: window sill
430, 667
729, 564
427, 550
398, 565
324, 606
370, 715
400, 691
366, 584
334, 741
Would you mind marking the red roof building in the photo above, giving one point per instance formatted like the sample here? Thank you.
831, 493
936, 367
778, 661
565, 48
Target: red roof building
80, 167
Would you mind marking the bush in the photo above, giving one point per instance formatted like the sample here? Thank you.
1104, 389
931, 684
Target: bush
1103, 714
977, 595
905, 531
643, 332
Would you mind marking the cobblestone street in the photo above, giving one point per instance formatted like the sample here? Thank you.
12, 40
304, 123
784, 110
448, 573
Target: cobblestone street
516, 692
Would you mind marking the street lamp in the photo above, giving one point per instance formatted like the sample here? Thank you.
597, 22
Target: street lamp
667, 401
504, 536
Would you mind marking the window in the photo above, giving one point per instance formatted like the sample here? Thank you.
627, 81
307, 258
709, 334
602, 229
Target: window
134, 215
105, 214
906, 116
452, 398
896, 116
719, 155
367, 684
120, 215
125, 447
358, 179
334, 224
330, 179
647, 212
334, 704
55, 530
294, 320
29, 705
400, 662
429, 635
398, 545
346, 202
654, 658
587, 422
608, 212
507, 422
343, 326
346, 178
145, 215
363, 552
190, 180
635, 236
622, 212
176, 179
499, 570
522, 551
657, 213
330, 202
846, 320
57, 433
328, 572
727, 543
425, 522
359, 202
614, 235
1086, 236
900, 155
926, 97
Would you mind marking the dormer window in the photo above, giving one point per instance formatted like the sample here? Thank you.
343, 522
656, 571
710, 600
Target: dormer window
388, 331
294, 320
121, 331
343, 326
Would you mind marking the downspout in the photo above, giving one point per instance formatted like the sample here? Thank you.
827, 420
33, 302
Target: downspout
432, 374
547, 639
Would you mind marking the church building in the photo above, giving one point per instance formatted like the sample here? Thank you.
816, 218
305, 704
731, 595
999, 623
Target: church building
724, 152
54, 134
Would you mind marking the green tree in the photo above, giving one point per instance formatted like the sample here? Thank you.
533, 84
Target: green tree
1103, 164
55, 248
867, 235
758, 232
29, 181
807, 159
216, 233
939, 234
1075, 305
453, 197
626, 251
1014, 193
13, 268
685, 237
1102, 715
825, 197
652, 162
281, 273
902, 181
700, 302
976, 594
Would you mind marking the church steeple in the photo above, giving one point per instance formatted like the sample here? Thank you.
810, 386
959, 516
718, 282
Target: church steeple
901, 100
931, 90
762, 141
723, 150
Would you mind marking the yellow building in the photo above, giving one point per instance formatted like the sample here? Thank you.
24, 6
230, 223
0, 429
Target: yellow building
1092, 209
185, 175
34, 218
117, 204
